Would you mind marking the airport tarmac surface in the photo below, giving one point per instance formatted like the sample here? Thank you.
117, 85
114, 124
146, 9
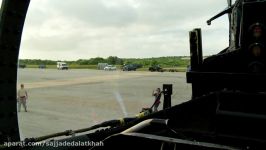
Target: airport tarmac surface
60, 100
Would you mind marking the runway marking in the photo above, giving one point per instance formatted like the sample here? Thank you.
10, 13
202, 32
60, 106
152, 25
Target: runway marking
84, 80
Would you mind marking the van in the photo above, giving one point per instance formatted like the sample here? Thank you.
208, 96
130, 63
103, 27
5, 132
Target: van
62, 66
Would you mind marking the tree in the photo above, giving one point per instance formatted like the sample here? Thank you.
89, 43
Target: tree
95, 61
82, 62
114, 60
154, 62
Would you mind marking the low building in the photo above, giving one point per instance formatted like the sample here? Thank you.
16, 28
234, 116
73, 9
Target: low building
101, 66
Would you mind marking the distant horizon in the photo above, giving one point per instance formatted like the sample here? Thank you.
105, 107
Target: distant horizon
97, 57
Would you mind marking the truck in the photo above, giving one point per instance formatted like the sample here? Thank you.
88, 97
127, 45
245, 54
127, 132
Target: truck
62, 66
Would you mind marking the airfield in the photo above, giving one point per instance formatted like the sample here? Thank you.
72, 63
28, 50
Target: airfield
60, 100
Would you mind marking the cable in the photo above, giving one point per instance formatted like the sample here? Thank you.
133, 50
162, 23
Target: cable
110, 123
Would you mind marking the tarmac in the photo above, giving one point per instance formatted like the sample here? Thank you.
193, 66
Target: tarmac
61, 100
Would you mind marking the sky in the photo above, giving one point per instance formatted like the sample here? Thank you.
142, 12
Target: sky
83, 29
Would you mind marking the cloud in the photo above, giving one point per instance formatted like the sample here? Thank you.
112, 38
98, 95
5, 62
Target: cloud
125, 28
95, 12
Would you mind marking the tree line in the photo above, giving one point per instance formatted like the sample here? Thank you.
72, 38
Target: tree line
170, 61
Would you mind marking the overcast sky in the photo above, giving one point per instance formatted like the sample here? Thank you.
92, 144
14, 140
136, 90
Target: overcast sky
83, 29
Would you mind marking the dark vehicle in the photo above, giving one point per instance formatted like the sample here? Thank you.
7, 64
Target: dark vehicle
227, 109
156, 68
22, 66
129, 67
42, 66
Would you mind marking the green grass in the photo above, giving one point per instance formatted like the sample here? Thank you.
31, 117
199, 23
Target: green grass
143, 69
37, 66
70, 66
82, 66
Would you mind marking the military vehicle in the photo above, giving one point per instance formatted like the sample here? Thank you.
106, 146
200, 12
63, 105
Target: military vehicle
129, 67
155, 68
22, 66
42, 66
227, 109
